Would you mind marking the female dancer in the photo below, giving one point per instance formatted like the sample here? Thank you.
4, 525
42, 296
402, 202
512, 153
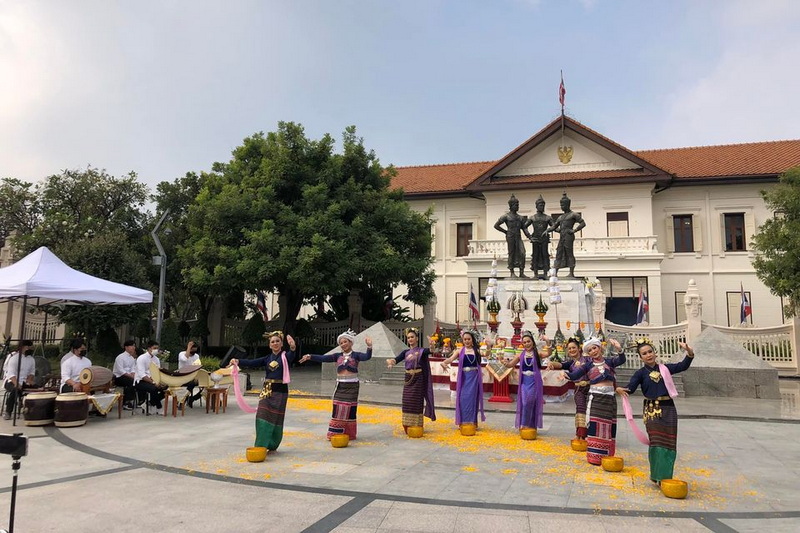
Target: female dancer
275, 391
576, 359
601, 409
530, 399
660, 416
469, 381
345, 398
418, 385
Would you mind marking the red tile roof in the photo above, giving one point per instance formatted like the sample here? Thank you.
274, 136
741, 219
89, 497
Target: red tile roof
750, 159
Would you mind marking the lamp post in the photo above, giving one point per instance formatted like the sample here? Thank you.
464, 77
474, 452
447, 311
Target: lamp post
160, 260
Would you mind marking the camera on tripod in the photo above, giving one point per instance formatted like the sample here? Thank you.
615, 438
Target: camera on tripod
15, 445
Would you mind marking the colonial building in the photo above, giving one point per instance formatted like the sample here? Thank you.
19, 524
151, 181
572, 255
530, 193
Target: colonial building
654, 220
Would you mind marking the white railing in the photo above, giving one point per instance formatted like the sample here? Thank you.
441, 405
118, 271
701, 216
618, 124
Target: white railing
36, 329
665, 340
587, 246
774, 345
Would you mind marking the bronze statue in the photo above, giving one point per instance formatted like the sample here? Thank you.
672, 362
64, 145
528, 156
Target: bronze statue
540, 257
565, 226
515, 223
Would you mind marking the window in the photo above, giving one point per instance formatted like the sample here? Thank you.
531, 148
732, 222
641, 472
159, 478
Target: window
734, 232
683, 233
680, 308
463, 236
617, 224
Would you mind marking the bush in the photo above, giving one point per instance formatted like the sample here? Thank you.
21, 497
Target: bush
209, 363
107, 344
171, 339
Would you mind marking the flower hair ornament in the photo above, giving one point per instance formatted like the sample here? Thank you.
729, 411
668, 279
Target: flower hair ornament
574, 339
276, 333
349, 335
642, 341
411, 330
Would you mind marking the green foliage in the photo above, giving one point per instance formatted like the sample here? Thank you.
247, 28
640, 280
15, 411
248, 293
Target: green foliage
288, 214
171, 339
778, 242
107, 343
209, 363
253, 331
95, 223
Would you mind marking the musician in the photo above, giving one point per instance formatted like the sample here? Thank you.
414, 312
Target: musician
27, 368
125, 371
143, 381
74, 347
71, 367
189, 356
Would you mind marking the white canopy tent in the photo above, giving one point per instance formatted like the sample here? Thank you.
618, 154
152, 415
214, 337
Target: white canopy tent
41, 278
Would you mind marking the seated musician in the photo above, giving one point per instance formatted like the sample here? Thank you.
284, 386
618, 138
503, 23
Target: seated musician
27, 369
190, 357
74, 347
125, 371
71, 367
143, 381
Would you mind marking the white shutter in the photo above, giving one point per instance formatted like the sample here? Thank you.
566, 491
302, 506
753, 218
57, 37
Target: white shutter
697, 233
749, 230
670, 237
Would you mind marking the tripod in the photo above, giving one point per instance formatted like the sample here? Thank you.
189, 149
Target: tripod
16, 446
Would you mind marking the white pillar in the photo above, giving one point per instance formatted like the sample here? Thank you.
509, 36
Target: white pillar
693, 303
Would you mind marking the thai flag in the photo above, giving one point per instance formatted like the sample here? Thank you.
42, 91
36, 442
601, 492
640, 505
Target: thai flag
473, 305
261, 305
562, 91
745, 310
642, 308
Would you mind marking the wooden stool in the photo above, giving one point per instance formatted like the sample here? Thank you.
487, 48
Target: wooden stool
169, 393
218, 397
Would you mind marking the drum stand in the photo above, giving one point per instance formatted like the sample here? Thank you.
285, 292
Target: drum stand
15, 466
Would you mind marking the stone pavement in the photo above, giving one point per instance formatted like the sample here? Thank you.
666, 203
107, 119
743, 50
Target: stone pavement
740, 457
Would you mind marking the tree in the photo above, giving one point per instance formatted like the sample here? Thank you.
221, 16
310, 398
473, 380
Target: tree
287, 214
778, 241
19, 207
95, 223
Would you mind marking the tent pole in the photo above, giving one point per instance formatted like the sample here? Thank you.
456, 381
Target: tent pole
19, 355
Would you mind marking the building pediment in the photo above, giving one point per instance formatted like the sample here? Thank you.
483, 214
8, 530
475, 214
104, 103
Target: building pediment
566, 150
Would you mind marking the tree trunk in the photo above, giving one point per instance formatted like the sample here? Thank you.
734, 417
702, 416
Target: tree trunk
290, 302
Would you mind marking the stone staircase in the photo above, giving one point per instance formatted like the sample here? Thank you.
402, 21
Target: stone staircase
395, 376
624, 376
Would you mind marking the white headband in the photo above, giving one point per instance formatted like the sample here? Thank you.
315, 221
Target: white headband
349, 335
592, 341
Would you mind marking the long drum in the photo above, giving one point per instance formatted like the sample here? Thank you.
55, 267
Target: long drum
96, 378
72, 409
39, 408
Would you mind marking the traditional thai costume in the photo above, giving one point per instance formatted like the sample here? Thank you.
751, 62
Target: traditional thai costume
469, 389
530, 395
345, 398
581, 394
660, 416
272, 400
601, 408
417, 387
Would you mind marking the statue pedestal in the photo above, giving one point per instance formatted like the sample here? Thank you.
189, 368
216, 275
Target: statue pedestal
500, 386
573, 307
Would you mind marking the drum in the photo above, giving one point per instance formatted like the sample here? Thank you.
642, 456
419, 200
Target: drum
39, 408
96, 378
72, 409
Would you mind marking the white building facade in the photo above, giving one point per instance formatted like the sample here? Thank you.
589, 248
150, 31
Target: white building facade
654, 220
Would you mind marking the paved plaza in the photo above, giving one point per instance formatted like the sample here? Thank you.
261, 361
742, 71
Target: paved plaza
149, 473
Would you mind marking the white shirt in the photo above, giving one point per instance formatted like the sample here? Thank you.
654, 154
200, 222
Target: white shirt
72, 368
143, 366
184, 360
27, 367
66, 356
125, 363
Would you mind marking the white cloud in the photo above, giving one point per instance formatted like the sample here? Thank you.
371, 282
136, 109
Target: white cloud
750, 94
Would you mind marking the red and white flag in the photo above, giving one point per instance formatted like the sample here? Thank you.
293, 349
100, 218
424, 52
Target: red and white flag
562, 91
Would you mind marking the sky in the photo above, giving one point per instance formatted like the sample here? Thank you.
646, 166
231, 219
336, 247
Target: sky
166, 87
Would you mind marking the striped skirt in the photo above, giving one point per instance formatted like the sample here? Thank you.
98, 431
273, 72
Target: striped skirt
413, 399
345, 405
602, 429
581, 396
663, 433
270, 415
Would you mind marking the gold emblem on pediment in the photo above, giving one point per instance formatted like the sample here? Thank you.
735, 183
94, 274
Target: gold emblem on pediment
565, 154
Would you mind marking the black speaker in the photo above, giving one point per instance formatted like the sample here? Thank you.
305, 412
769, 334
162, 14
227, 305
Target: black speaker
234, 352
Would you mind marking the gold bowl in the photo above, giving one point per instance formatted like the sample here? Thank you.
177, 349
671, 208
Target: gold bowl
674, 488
415, 432
468, 430
612, 464
528, 433
256, 454
579, 445
340, 441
